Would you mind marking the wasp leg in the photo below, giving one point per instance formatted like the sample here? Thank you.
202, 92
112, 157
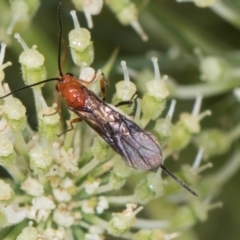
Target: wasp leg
58, 107
75, 120
128, 102
103, 82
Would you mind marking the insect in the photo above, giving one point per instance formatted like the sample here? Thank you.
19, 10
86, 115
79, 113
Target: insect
137, 147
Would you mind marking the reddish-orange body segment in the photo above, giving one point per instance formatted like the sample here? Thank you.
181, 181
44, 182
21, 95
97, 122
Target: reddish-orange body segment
71, 90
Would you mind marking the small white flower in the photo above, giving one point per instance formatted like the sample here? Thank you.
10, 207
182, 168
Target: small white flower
29, 233
63, 218
31, 212
42, 202
54, 234
6, 193
87, 74
67, 160
32, 187
87, 208
95, 233
42, 215
61, 195
91, 187
67, 183
102, 204
14, 213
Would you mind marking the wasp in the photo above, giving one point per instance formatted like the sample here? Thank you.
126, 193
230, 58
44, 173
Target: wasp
138, 148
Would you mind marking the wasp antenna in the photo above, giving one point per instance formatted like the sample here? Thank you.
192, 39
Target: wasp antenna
178, 180
29, 86
59, 40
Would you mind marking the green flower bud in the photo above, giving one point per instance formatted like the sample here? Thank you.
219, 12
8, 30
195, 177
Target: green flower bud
201, 209
214, 142
153, 101
126, 11
190, 123
184, 218
40, 160
32, 63
125, 89
29, 233
48, 124
80, 44
163, 128
101, 150
21, 13
180, 137
119, 174
158, 89
189, 175
145, 234
127, 14
186, 127
89, 8
6, 193
151, 106
126, 108
149, 188
15, 113
213, 69
122, 222
7, 157
187, 216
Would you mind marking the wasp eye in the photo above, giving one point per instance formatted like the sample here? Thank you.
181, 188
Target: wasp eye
69, 74
56, 87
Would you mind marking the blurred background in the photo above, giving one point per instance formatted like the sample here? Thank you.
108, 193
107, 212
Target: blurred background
174, 30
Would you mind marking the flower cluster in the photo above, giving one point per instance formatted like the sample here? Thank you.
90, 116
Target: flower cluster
74, 186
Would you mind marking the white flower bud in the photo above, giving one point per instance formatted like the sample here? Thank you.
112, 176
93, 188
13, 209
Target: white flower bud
32, 63
157, 87
48, 124
125, 89
32, 187
56, 234
14, 109
40, 160
43, 203
89, 205
6, 193
80, 43
63, 218
29, 233
102, 204
6, 152
92, 7
61, 195
91, 186
122, 222
15, 214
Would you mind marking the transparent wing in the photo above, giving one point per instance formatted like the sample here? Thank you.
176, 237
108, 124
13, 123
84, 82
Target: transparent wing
140, 149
